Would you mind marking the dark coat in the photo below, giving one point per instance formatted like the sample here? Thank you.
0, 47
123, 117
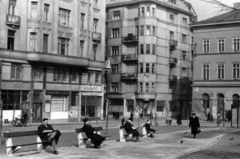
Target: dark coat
179, 119
194, 124
44, 136
148, 128
95, 138
129, 129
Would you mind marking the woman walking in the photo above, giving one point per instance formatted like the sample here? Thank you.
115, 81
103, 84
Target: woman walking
179, 119
194, 125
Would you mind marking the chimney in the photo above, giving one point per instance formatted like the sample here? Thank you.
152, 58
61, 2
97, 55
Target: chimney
236, 5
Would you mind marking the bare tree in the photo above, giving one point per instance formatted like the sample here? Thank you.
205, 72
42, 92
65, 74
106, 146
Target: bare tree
223, 7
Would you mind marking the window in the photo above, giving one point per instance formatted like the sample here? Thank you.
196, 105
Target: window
143, 11
221, 45
160, 106
236, 44
140, 87
60, 75
142, 48
154, 30
114, 87
153, 49
37, 72
148, 11
95, 24
89, 75
184, 71
184, 53
64, 17
184, 21
153, 87
16, 71
184, 89
184, 38
46, 11
236, 70
74, 99
34, 10
95, 3
148, 49
221, 71
63, 46
142, 30
84, 78
94, 52
171, 34
148, 30
97, 78
172, 1
114, 68
33, 41
206, 46
206, 71
45, 42
115, 33
141, 67
147, 87
171, 16
74, 76
153, 12
12, 7
116, 15
82, 20
11, 37
130, 105
171, 52
115, 50
81, 48
153, 68
147, 67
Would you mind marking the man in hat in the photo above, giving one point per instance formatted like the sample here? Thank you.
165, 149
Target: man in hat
130, 129
96, 139
48, 135
194, 125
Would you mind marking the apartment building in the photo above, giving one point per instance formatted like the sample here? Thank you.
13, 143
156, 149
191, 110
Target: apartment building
149, 48
216, 65
52, 58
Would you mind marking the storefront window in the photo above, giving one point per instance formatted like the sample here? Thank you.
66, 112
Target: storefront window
116, 105
74, 99
90, 106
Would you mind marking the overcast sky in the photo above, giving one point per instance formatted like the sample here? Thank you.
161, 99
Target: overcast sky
206, 10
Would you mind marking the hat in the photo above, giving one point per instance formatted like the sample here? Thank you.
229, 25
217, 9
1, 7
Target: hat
193, 114
85, 120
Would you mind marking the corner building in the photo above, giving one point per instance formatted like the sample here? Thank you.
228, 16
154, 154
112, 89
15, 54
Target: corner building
52, 57
149, 48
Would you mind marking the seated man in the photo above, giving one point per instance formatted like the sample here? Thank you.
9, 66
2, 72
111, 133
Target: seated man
150, 131
48, 135
96, 139
130, 129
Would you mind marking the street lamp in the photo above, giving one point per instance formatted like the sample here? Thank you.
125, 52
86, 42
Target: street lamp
108, 67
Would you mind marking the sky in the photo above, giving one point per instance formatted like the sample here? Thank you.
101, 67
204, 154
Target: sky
206, 10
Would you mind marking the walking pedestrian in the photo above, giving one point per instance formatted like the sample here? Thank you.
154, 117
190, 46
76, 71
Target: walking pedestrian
179, 119
156, 118
141, 113
218, 119
131, 115
194, 125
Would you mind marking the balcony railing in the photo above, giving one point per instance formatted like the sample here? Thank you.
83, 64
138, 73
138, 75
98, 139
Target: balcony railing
173, 43
13, 20
96, 36
129, 76
172, 60
129, 57
130, 38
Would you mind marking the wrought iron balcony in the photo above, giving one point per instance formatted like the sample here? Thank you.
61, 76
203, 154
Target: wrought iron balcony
129, 76
130, 38
13, 20
129, 57
96, 36
173, 43
173, 60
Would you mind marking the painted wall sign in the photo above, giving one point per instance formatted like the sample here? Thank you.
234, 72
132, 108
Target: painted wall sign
57, 93
88, 88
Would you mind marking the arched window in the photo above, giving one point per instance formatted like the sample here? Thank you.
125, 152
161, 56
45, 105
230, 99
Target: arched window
220, 102
205, 98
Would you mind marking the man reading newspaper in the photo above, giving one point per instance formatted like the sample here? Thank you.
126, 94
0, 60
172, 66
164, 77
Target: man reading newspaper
48, 135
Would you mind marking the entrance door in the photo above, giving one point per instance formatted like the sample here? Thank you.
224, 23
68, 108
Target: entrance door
37, 112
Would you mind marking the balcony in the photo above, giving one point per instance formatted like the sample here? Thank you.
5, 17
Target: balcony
130, 39
13, 20
96, 37
129, 57
173, 43
172, 60
129, 76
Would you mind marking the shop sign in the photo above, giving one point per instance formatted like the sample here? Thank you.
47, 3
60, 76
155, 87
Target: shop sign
89, 88
57, 93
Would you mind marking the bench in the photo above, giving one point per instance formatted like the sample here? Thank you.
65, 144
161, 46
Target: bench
10, 135
83, 140
144, 131
123, 135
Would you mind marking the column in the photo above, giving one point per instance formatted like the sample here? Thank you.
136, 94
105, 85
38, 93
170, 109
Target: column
79, 106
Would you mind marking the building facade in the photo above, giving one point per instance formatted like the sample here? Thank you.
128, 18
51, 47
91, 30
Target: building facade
216, 65
149, 48
52, 58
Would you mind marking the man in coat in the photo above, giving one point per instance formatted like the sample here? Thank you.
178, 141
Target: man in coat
96, 139
150, 131
179, 119
130, 129
194, 125
48, 135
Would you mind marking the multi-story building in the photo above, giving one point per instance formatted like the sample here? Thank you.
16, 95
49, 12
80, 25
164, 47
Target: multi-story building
149, 48
216, 64
52, 58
